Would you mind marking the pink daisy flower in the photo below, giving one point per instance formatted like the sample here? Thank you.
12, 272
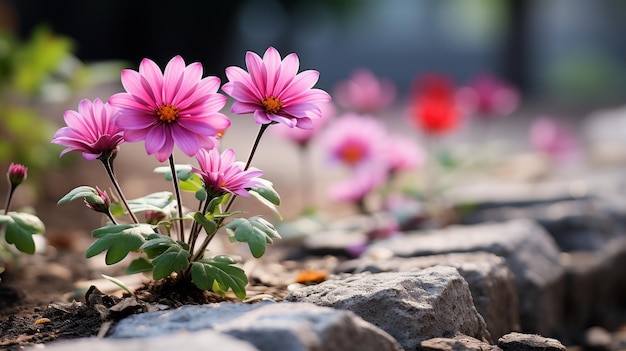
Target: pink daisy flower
274, 91
222, 174
403, 153
354, 139
176, 106
364, 92
362, 182
556, 140
91, 130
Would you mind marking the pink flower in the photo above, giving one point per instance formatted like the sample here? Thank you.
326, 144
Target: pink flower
354, 139
273, 90
91, 130
488, 96
176, 106
222, 174
16, 174
554, 139
364, 92
302, 137
99, 203
362, 182
403, 153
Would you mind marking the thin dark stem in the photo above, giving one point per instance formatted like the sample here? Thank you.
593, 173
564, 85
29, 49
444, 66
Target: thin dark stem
252, 152
9, 197
181, 234
195, 228
111, 217
108, 166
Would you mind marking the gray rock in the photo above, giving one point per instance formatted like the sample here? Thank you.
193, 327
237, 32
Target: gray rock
490, 280
529, 342
410, 306
457, 343
195, 341
268, 326
529, 250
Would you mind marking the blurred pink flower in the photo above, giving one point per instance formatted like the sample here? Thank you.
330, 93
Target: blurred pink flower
488, 96
176, 106
222, 174
274, 91
303, 136
554, 139
364, 92
354, 139
91, 130
362, 181
403, 153
17, 174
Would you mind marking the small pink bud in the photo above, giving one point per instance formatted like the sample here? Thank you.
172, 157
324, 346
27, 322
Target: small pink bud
17, 173
98, 203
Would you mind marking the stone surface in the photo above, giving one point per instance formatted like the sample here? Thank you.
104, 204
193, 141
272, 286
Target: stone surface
490, 280
410, 306
182, 340
457, 343
529, 342
529, 250
268, 326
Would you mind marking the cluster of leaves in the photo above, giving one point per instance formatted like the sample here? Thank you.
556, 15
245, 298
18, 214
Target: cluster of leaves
161, 254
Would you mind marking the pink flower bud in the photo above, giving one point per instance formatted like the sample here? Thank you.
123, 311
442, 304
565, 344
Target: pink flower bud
98, 203
154, 217
17, 173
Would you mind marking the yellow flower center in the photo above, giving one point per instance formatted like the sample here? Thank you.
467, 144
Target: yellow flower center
167, 113
272, 104
351, 154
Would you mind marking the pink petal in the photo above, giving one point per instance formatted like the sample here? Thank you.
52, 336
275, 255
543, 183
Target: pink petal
288, 70
166, 151
153, 83
136, 120
155, 139
128, 101
271, 61
260, 117
187, 142
173, 77
300, 84
135, 135
243, 108
304, 123
257, 71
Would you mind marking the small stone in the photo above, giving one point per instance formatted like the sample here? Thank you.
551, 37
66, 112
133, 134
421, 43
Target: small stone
529, 342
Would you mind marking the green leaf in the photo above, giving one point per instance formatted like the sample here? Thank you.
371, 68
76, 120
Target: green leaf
117, 282
118, 240
81, 192
174, 259
138, 265
183, 172
255, 231
267, 196
162, 201
20, 228
156, 244
267, 192
209, 226
219, 269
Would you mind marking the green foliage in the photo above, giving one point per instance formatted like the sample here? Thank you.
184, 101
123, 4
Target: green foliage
81, 192
220, 270
118, 240
139, 265
19, 230
267, 196
161, 201
255, 231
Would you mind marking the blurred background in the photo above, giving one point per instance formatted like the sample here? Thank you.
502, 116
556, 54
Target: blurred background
565, 57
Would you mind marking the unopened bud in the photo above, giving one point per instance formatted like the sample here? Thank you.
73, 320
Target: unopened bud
17, 173
99, 203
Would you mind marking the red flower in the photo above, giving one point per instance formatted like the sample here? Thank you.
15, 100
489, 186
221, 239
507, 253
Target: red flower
433, 105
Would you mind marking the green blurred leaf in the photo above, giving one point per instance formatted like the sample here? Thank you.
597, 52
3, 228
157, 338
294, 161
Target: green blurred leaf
139, 265
81, 192
118, 240
162, 201
255, 231
267, 196
219, 269
174, 259
20, 228
209, 226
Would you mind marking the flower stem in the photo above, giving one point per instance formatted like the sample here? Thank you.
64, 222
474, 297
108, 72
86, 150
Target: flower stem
179, 200
252, 152
108, 166
9, 197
